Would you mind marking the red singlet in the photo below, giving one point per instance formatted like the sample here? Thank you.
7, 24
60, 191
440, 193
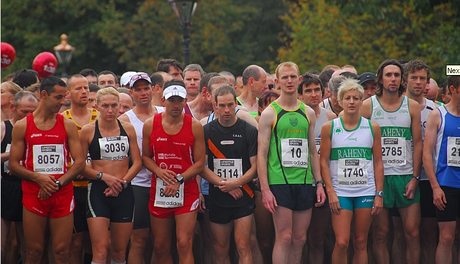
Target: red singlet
47, 152
175, 153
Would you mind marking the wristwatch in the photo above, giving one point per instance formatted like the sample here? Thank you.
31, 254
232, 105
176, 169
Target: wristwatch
58, 182
380, 193
416, 177
99, 176
180, 178
321, 182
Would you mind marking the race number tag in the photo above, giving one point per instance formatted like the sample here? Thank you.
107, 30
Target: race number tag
453, 151
294, 152
394, 151
317, 144
49, 159
114, 148
228, 168
352, 173
171, 201
6, 167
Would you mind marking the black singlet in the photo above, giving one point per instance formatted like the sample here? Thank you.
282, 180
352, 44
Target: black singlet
95, 149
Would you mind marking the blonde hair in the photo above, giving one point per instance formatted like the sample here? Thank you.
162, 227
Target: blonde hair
106, 91
350, 85
286, 64
12, 87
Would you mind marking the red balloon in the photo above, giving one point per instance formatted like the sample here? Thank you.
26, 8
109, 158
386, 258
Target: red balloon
8, 54
45, 64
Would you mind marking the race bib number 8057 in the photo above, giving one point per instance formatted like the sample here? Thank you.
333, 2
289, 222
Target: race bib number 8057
49, 159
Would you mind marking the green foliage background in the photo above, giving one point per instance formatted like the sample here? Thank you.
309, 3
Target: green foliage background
123, 35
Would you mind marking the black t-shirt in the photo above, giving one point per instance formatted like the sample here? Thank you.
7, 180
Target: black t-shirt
238, 142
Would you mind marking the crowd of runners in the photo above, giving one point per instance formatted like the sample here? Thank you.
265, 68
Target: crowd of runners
184, 166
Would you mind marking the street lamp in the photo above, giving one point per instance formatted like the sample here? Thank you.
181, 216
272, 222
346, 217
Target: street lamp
64, 54
184, 10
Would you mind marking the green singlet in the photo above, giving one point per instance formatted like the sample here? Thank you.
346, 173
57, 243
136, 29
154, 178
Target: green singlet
288, 155
254, 114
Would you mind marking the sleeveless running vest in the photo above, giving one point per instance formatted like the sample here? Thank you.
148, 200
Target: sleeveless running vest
254, 114
173, 152
397, 151
5, 147
351, 162
47, 152
144, 176
109, 148
429, 106
93, 117
288, 155
447, 152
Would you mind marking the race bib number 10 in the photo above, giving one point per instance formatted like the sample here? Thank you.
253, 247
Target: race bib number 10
453, 151
49, 159
294, 152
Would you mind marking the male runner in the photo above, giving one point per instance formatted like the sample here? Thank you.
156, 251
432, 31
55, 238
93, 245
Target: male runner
399, 121
141, 91
42, 142
442, 137
287, 161
78, 89
231, 154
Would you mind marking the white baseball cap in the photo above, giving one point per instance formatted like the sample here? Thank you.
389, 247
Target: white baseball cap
124, 80
175, 90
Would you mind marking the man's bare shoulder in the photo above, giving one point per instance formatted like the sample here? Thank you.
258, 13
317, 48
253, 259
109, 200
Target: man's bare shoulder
330, 115
124, 117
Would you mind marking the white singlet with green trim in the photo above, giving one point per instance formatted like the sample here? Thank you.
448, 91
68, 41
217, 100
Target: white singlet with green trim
397, 149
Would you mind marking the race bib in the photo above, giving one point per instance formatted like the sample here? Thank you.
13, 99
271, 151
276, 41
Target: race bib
352, 173
294, 152
228, 168
171, 201
49, 159
317, 144
114, 148
394, 151
453, 151
6, 167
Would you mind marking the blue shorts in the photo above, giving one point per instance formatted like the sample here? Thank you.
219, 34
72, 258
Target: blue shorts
350, 203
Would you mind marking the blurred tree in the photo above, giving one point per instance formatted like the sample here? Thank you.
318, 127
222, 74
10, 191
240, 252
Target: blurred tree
123, 35
364, 33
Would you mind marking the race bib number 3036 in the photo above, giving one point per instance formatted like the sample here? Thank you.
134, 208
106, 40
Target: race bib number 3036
114, 148
294, 152
49, 159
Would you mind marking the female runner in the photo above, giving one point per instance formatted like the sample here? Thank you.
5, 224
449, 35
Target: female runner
352, 169
110, 196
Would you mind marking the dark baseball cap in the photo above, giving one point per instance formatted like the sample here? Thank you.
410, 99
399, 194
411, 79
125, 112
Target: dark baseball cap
367, 76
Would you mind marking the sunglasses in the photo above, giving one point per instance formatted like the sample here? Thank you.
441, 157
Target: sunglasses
139, 76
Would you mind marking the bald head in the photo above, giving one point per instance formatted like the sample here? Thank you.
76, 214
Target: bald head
252, 71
